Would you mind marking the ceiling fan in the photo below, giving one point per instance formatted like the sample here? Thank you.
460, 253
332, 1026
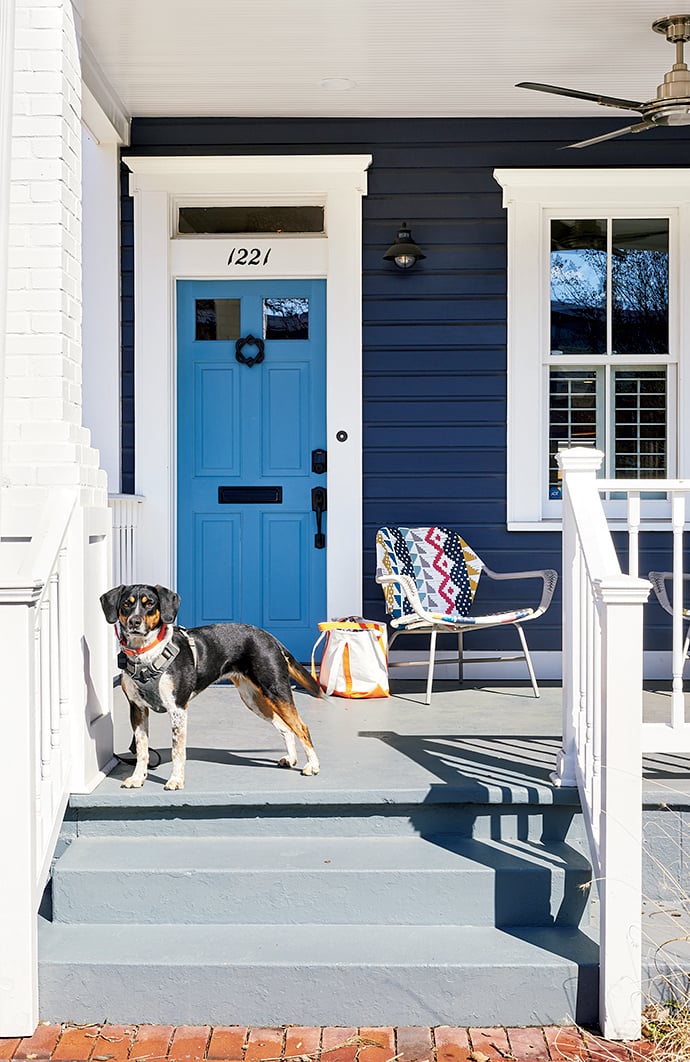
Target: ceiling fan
671, 106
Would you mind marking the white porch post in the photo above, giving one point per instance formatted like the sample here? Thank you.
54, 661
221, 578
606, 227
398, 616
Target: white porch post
18, 922
622, 600
578, 465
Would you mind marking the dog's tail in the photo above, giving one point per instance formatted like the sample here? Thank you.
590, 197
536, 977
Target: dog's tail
300, 674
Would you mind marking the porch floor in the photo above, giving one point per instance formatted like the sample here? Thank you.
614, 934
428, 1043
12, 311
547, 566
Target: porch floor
494, 741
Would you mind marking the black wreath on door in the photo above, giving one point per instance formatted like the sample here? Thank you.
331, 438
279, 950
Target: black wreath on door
246, 342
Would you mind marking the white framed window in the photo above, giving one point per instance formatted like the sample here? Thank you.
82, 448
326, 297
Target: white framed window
598, 327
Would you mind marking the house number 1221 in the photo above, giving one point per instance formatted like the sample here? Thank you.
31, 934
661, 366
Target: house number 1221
242, 256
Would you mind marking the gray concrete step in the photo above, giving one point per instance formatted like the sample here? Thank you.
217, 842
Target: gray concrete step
548, 815
330, 880
313, 974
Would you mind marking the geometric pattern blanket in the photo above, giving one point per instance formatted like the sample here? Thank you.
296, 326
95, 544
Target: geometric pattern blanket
444, 568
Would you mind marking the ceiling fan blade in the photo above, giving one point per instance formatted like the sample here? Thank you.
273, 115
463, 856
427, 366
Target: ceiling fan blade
604, 101
639, 128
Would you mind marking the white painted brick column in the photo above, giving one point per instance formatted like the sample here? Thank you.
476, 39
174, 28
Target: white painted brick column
62, 686
7, 8
45, 442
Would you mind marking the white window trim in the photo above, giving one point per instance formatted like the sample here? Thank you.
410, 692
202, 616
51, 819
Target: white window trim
531, 198
158, 184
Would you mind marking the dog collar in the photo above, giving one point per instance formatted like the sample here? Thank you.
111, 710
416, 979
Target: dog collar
143, 648
144, 672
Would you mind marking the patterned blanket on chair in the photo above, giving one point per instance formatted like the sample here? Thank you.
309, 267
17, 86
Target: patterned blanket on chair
444, 568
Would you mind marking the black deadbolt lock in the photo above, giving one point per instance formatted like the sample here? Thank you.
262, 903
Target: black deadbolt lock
318, 462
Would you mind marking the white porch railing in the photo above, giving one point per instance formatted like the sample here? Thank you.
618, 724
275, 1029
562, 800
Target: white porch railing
56, 721
604, 735
125, 510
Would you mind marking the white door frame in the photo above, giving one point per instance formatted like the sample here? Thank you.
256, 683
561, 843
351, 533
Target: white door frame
159, 185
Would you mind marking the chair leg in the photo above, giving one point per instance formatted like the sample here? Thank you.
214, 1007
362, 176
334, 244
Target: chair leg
528, 659
430, 676
460, 660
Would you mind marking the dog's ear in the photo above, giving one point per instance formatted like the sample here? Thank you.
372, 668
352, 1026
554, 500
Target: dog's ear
109, 603
169, 602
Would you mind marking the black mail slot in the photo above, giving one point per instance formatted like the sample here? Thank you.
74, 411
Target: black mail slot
250, 495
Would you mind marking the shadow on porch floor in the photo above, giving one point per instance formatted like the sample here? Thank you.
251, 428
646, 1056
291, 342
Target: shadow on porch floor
478, 741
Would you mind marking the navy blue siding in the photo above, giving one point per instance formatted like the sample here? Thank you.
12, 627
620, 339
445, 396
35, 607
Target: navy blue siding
127, 333
434, 339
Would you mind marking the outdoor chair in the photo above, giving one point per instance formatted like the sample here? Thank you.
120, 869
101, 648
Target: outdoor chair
429, 577
658, 581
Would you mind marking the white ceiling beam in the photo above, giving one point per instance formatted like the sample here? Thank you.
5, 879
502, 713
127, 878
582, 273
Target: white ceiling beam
103, 113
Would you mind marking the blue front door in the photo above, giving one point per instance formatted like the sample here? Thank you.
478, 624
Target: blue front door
249, 433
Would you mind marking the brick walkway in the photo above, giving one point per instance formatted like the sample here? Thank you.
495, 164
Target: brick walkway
192, 1043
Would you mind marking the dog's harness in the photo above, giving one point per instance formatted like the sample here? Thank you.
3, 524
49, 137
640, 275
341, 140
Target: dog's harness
145, 672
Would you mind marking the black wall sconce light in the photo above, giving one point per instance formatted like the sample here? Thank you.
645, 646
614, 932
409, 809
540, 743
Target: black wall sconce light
404, 252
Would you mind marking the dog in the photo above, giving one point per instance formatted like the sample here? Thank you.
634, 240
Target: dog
164, 666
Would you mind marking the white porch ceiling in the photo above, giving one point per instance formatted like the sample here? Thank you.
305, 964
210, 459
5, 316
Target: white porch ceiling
406, 58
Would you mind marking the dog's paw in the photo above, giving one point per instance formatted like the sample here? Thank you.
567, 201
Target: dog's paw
310, 769
174, 783
132, 782
285, 762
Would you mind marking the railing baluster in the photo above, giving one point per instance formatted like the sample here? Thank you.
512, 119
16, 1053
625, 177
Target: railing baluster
634, 517
588, 659
596, 725
125, 510
54, 663
678, 524
43, 620
63, 631
580, 671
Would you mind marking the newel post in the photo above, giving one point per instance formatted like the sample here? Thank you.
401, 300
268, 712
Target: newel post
18, 814
621, 600
579, 467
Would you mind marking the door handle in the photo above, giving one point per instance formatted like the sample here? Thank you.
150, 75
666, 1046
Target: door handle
319, 506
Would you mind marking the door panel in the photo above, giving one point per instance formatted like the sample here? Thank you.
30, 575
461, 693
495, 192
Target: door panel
286, 598
286, 452
214, 587
255, 426
216, 403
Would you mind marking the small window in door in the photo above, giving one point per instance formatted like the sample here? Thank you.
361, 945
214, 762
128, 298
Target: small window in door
217, 318
286, 318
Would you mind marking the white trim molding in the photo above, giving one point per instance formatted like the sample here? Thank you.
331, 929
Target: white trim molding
159, 185
532, 197
103, 113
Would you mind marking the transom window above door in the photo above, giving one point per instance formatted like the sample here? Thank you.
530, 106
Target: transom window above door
247, 220
598, 352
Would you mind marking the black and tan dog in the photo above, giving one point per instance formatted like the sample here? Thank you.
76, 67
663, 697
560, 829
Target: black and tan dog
164, 666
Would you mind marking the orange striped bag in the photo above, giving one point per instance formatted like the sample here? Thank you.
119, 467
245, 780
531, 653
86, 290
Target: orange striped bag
354, 662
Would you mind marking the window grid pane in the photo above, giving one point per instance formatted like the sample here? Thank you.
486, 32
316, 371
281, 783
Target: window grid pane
286, 318
217, 319
639, 283
572, 416
578, 286
640, 424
